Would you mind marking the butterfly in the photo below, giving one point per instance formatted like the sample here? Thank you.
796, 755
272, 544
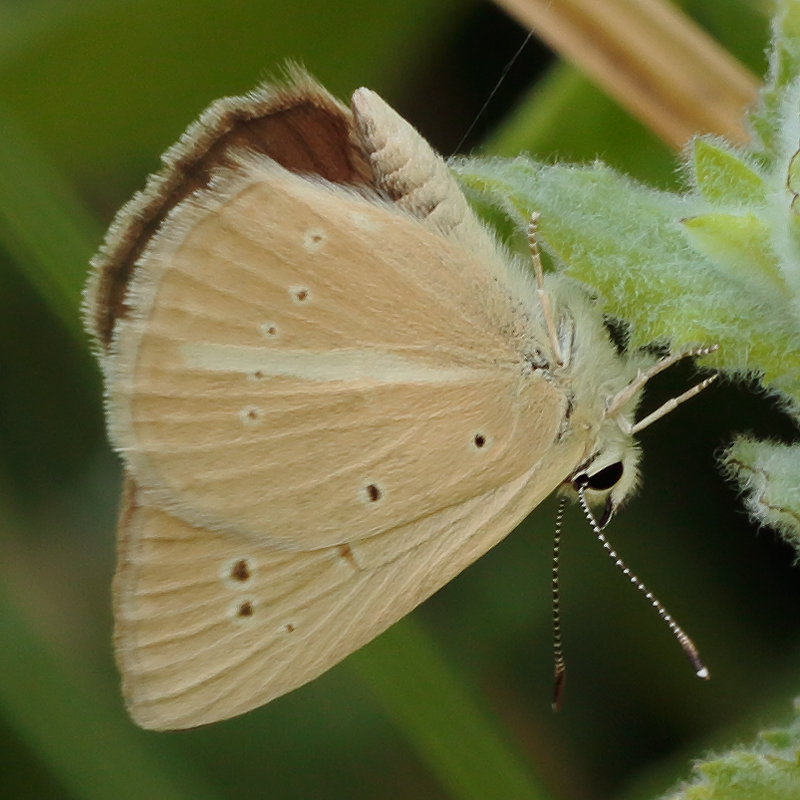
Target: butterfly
332, 389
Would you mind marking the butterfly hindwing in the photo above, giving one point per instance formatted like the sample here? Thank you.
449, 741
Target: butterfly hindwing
209, 625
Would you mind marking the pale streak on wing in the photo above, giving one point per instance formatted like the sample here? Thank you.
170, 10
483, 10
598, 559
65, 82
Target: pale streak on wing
321, 366
187, 659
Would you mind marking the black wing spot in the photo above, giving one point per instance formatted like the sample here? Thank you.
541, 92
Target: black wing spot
347, 555
269, 330
245, 609
372, 494
250, 415
240, 571
480, 440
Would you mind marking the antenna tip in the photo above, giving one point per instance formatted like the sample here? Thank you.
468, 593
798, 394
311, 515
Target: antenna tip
558, 689
703, 673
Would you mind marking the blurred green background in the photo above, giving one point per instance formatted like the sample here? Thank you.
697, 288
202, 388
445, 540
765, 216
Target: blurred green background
91, 92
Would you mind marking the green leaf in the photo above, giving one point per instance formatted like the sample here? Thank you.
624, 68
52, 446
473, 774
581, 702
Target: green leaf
627, 242
768, 770
768, 474
740, 243
723, 176
784, 69
719, 263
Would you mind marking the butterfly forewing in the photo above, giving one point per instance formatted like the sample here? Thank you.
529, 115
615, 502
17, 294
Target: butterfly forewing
299, 363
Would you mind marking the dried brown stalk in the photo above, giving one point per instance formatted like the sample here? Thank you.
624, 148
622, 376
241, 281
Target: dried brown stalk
651, 58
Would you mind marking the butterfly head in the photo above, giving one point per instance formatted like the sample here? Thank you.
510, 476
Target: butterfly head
610, 476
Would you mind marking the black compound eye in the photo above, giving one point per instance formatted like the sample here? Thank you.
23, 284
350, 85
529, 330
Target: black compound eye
607, 477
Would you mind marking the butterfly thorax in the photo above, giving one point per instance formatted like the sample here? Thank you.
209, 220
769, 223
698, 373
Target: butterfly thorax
593, 372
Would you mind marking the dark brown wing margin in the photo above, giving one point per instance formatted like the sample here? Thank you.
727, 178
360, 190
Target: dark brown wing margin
299, 125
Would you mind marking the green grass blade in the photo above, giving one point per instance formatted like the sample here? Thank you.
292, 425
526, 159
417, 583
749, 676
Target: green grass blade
44, 225
91, 748
462, 744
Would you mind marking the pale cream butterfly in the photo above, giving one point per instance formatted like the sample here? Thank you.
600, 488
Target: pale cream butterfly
332, 390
